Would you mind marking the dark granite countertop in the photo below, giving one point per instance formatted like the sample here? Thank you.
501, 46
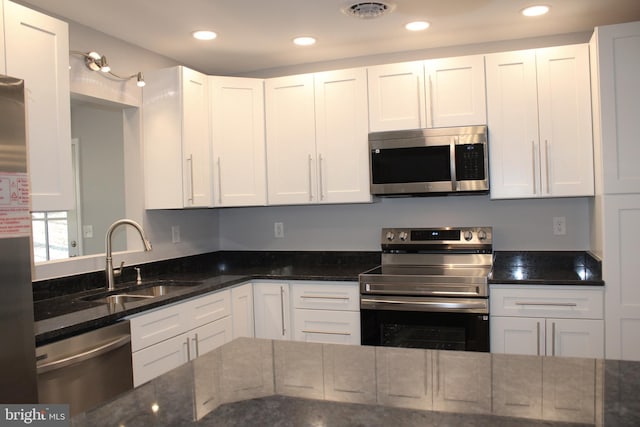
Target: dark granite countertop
256, 382
568, 268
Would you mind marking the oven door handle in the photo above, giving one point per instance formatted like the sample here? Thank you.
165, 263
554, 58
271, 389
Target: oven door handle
423, 305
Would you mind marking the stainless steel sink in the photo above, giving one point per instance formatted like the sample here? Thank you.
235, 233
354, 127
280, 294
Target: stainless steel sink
140, 293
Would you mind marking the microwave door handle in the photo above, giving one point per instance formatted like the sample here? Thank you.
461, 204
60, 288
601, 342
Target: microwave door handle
452, 161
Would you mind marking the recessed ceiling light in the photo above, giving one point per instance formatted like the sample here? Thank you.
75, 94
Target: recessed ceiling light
417, 26
535, 10
304, 41
204, 35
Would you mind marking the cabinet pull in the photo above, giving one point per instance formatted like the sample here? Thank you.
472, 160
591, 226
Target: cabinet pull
547, 163
538, 335
552, 304
197, 345
188, 349
311, 331
533, 165
553, 338
310, 179
429, 112
282, 308
190, 160
324, 297
219, 181
320, 176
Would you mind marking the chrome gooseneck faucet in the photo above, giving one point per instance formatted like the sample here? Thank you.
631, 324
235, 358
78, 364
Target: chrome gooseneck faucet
110, 272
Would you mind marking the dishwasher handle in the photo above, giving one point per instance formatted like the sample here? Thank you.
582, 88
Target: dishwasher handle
85, 355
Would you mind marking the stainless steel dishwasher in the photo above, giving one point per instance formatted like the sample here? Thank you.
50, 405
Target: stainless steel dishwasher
86, 370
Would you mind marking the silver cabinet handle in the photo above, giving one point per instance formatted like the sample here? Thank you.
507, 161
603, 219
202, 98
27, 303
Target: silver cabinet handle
538, 335
320, 177
551, 304
452, 163
324, 297
553, 338
85, 355
310, 179
282, 308
533, 165
430, 113
197, 345
190, 160
547, 163
310, 331
188, 349
219, 181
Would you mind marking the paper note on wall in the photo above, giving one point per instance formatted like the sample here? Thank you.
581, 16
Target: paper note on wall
15, 218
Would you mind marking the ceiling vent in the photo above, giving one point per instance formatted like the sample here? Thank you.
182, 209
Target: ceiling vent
368, 9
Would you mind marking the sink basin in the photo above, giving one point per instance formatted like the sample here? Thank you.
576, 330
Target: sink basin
140, 292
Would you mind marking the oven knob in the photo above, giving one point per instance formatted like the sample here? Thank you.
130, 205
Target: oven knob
403, 235
482, 235
468, 235
390, 235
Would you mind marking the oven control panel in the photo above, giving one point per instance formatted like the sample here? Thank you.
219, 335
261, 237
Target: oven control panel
426, 237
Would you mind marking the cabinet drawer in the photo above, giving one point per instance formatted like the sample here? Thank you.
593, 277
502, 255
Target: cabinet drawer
327, 296
325, 326
547, 301
156, 360
158, 325
208, 308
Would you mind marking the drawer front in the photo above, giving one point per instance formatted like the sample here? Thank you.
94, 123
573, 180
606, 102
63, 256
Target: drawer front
327, 296
151, 328
209, 308
158, 359
547, 301
325, 326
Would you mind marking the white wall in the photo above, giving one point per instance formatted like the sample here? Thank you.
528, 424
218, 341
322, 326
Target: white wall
517, 224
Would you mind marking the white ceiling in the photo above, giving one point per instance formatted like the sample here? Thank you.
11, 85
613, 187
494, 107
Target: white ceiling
256, 34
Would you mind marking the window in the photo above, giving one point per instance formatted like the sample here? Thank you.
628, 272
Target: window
50, 235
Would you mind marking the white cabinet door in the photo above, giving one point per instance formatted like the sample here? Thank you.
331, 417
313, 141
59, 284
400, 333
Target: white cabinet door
242, 311
456, 91
341, 136
272, 310
575, 338
37, 50
207, 308
3, 62
539, 117
160, 358
512, 118
177, 149
238, 137
564, 105
396, 96
327, 326
291, 147
210, 336
616, 95
518, 335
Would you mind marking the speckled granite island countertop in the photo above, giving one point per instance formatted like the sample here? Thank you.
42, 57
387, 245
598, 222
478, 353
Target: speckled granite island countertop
254, 382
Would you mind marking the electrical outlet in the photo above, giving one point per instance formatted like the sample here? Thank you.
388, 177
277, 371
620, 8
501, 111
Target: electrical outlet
175, 234
278, 230
87, 231
559, 225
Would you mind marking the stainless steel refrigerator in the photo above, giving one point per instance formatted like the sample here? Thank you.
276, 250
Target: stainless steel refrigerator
18, 382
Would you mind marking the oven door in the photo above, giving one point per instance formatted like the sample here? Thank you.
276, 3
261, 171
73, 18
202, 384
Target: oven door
431, 323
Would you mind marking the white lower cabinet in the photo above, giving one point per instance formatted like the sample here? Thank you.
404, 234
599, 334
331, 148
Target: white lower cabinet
242, 311
165, 338
271, 310
327, 312
547, 321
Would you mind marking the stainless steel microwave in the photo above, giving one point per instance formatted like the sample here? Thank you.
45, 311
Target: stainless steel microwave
424, 161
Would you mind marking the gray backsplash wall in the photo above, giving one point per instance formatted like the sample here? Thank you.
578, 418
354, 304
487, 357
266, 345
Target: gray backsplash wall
517, 224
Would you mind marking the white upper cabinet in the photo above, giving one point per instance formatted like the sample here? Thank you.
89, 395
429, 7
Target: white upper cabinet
616, 95
290, 115
341, 136
396, 96
237, 123
456, 91
453, 95
317, 138
31, 40
539, 119
177, 148
3, 63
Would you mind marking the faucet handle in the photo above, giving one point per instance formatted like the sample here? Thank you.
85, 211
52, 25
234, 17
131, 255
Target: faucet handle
118, 271
138, 275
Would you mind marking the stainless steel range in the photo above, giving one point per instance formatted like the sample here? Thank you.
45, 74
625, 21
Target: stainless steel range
431, 290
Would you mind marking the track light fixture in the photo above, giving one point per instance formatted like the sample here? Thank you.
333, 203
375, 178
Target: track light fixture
96, 62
